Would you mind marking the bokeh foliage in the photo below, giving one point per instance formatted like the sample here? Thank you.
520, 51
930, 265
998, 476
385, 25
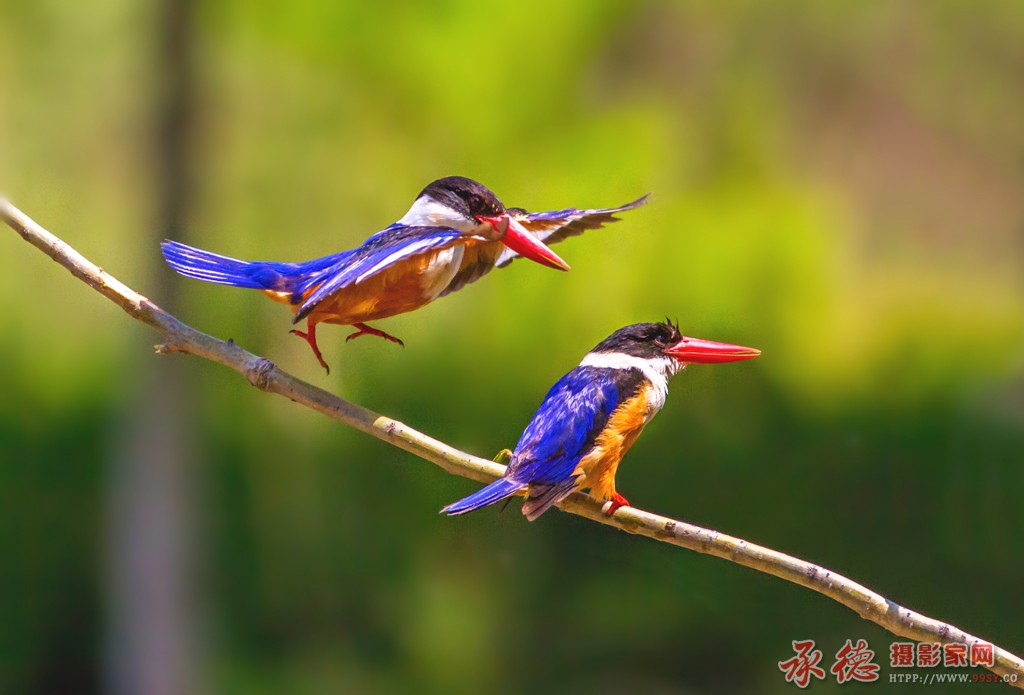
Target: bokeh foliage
838, 184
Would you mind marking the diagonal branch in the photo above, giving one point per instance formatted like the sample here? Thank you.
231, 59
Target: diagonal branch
266, 376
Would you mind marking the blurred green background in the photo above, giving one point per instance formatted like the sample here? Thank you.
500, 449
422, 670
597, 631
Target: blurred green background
838, 184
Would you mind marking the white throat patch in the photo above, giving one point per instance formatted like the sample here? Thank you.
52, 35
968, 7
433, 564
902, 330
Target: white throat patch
658, 371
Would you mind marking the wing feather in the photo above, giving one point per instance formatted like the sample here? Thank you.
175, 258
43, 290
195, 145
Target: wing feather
549, 227
381, 251
568, 422
558, 225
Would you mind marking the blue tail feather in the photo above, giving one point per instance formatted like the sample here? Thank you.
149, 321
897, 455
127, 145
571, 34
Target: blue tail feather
211, 267
259, 275
495, 492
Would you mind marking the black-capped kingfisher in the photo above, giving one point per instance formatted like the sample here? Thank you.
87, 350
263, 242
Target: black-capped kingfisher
455, 232
592, 415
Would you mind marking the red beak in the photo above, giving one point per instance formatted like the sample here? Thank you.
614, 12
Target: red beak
525, 244
709, 352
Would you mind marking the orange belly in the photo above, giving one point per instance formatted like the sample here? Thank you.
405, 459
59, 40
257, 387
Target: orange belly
597, 469
403, 287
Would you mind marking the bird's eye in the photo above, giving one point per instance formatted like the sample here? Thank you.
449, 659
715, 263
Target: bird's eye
662, 340
475, 202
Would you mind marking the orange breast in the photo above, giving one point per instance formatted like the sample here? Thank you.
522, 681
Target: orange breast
597, 469
405, 286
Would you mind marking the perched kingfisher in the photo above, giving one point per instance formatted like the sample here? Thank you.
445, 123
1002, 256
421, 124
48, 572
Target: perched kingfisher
455, 232
593, 414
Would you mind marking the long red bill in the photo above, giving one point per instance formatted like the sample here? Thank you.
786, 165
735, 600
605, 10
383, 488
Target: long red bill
709, 352
525, 244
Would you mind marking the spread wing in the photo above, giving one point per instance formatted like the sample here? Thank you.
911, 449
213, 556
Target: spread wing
552, 227
549, 227
382, 250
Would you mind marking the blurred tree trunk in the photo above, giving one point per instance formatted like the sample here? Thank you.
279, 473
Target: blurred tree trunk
153, 640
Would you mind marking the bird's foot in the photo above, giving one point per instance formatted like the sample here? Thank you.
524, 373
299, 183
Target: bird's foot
370, 330
613, 504
310, 337
503, 455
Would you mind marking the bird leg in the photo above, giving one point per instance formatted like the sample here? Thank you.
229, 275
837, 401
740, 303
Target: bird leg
309, 335
369, 330
613, 504
503, 455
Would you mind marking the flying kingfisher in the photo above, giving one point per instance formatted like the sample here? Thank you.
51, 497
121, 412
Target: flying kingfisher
593, 414
455, 232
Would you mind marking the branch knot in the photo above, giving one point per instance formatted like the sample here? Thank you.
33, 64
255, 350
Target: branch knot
259, 373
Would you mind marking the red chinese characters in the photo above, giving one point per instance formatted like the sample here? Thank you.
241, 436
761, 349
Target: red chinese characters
929, 654
954, 655
855, 662
800, 668
982, 654
901, 654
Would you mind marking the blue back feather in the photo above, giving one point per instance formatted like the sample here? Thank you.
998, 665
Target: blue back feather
574, 412
380, 251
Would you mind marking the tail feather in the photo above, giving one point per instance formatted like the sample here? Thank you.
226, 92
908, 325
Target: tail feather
544, 497
258, 275
211, 267
495, 492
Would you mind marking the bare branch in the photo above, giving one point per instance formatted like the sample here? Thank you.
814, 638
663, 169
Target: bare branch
266, 376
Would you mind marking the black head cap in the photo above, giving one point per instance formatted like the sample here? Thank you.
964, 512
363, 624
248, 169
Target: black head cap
644, 340
465, 196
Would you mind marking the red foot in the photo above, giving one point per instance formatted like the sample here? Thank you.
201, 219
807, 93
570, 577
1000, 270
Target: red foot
614, 503
369, 330
310, 337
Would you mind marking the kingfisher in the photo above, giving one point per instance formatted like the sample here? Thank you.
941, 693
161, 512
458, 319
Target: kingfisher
592, 415
456, 231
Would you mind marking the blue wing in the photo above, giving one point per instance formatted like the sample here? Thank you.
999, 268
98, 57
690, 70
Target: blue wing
565, 426
381, 251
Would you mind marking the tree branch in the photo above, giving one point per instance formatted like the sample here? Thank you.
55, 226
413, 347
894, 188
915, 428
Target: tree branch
266, 376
